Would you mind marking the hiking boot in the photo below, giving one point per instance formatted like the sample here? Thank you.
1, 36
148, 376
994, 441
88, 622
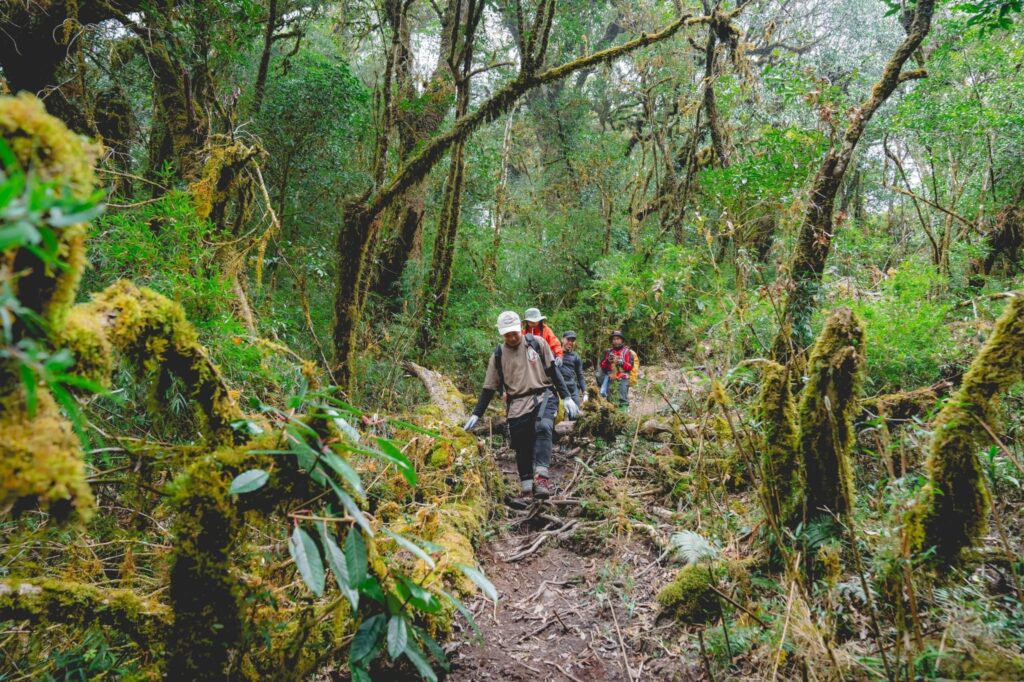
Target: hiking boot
540, 487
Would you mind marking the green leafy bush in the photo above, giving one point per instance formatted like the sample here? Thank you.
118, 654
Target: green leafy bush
908, 334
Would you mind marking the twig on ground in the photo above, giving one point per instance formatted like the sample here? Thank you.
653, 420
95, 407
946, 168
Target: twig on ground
622, 644
565, 672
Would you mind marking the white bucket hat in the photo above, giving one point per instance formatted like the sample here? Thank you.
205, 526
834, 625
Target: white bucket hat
509, 321
533, 315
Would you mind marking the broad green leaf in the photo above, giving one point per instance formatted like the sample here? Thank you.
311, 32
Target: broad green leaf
422, 599
355, 556
351, 507
336, 560
478, 577
398, 636
367, 638
247, 481
409, 426
371, 588
392, 453
360, 674
433, 647
415, 655
466, 613
306, 556
345, 470
28, 380
411, 547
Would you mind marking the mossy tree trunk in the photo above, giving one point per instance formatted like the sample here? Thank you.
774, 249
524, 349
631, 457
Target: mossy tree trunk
952, 512
828, 404
439, 281
815, 238
781, 479
362, 214
417, 119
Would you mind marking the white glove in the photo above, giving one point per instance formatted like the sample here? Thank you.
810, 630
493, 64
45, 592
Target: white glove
471, 422
583, 398
571, 410
558, 362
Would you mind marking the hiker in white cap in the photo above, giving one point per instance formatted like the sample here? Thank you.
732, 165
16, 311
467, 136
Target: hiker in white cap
523, 367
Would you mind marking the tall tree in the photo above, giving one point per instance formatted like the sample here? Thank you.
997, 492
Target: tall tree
362, 214
815, 238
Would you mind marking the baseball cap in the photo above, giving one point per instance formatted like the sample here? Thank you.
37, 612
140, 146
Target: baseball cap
509, 321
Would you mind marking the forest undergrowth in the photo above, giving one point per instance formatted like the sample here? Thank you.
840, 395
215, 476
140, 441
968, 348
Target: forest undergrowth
251, 257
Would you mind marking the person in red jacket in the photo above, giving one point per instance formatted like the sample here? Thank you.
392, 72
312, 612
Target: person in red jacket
615, 367
534, 324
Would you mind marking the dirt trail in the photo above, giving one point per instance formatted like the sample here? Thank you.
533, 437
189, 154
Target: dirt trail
577, 582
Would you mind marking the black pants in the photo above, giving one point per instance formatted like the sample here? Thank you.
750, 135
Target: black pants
530, 436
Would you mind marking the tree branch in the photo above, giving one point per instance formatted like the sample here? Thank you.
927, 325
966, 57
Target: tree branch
420, 164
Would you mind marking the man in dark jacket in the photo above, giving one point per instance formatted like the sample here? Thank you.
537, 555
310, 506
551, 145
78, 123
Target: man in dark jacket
572, 369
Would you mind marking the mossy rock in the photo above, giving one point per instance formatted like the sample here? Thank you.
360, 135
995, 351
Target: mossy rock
984, 663
601, 419
689, 598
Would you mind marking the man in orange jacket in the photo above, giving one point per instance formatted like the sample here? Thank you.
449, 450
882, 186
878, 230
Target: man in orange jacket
534, 324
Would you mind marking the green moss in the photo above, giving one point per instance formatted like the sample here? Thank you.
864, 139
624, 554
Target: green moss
953, 508
52, 601
780, 461
40, 458
153, 333
689, 597
827, 406
44, 146
221, 176
601, 419
204, 592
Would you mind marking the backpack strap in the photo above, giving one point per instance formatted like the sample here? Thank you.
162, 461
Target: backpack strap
532, 342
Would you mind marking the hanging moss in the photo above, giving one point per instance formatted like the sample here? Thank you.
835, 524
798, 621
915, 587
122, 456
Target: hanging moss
827, 406
154, 334
952, 511
40, 458
781, 477
221, 176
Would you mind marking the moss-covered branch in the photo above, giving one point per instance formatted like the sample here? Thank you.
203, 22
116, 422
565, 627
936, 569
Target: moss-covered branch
953, 508
43, 601
154, 334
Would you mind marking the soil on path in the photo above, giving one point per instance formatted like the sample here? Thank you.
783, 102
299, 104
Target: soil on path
576, 588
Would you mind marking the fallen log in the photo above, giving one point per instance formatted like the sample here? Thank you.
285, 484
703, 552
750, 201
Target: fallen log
443, 392
902, 406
